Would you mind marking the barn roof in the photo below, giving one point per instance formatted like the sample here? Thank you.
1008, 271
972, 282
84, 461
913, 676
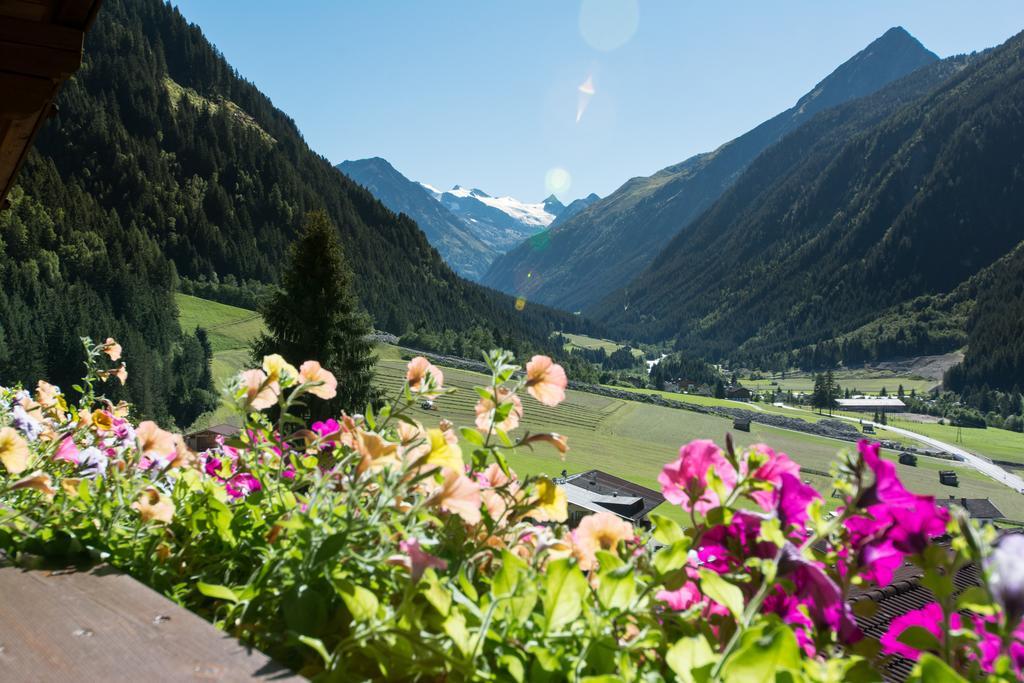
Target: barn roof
977, 508
602, 492
220, 430
40, 47
870, 402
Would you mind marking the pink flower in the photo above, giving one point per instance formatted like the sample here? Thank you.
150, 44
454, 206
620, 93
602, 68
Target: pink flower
67, 451
684, 597
727, 546
772, 471
310, 371
929, 618
818, 595
416, 560
241, 485
458, 495
546, 381
793, 498
684, 482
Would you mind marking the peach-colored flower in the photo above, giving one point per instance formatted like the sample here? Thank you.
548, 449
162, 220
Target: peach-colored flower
13, 450
155, 443
376, 451
34, 410
154, 506
70, 486
487, 407
120, 410
424, 378
183, 455
37, 481
600, 531
277, 368
494, 476
459, 495
414, 442
546, 381
112, 349
121, 373
310, 371
260, 393
550, 503
46, 394
559, 441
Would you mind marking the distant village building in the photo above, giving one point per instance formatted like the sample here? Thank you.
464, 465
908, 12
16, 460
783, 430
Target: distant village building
741, 423
871, 404
737, 393
908, 459
977, 508
205, 439
949, 478
596, 491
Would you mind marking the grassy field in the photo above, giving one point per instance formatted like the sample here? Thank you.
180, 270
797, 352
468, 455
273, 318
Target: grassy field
229, 327
582, 341
625, 438
858, 381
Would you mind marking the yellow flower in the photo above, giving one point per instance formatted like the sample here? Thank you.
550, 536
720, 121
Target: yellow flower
310, 371
102, 420
445, 451
38, 481
112, 349
154, 506
258, 396
13, 450
550, 505
600, 531
545, 380
277, 368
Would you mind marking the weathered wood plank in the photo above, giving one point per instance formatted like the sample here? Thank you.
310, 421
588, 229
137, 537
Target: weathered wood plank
102, 625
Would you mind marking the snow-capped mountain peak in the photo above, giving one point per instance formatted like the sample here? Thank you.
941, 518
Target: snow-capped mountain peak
530, 214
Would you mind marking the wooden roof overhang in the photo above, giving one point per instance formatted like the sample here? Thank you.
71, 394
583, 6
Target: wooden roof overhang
40, 47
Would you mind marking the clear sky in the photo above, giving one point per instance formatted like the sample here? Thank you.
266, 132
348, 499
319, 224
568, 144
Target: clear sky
487, 94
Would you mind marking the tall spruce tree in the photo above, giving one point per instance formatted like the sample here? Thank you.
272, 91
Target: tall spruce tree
315, 316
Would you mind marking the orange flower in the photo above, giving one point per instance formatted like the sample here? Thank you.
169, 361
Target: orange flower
70, 486
423, 377
122, 374
376, 452
112, 349
458, 495
13, 450
102, 420
486, 408
46, 394
258, 396
600, 531
310, 371
154, 506
154, 442
559, 441
38, 481
546, 381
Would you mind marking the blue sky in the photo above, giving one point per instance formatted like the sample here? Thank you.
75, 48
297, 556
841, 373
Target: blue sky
487, 94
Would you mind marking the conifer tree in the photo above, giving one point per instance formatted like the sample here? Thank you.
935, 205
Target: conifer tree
315, 316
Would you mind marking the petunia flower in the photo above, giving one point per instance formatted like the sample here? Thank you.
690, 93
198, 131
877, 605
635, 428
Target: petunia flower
546, 381
241, 485
13, 450
550, 503
1005, 568
771, 472
559, 441
599, 531
684, 482
37, 481
928, 617
260, 392
47, 394
278, 369
24, 421
424, 378
793, 498
459, 495
67, 451
444, 450
487, 407
93, 462
415, 559
310, 372
818, 596
158, 447
376, 451
112, 349
154, 506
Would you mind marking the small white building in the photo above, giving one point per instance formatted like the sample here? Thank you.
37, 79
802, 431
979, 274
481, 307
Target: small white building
871, 404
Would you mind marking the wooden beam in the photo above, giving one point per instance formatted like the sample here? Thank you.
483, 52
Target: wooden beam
37, 33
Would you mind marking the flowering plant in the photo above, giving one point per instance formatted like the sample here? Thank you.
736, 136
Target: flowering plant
378, 547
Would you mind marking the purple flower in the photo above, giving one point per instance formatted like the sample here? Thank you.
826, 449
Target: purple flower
241, 485
1006, 575
25, 423
794, 497
928, 617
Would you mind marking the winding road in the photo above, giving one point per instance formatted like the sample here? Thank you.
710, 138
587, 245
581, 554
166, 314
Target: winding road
983, 465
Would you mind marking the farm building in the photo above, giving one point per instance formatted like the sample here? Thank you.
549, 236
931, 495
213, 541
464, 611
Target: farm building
871, 404
949, 478
741, 423
977, 508
207, 438
737, 393
908, 459
597, 491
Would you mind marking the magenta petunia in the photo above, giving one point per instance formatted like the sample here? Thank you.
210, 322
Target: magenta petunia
685, 481
928, 617
772, 471
794, 497
241, 485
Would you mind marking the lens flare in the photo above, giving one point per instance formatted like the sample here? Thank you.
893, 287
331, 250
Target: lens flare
608, 24
586, 91
520, 303
557, 181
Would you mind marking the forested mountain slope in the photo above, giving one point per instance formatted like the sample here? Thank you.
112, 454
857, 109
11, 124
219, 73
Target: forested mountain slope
848, 216
609, 243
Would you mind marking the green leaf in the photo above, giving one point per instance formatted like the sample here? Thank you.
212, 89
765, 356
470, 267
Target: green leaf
671, 557
513, 666
931, 669
617, 586
305, 610
215, 591
472, 436
514, 587
361, 603
318, 646
455, 627
436, 594
604, 678
690, 659
331, 546
919, 638
667, 530
977, 600
722, 592
762, 655
564, 588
